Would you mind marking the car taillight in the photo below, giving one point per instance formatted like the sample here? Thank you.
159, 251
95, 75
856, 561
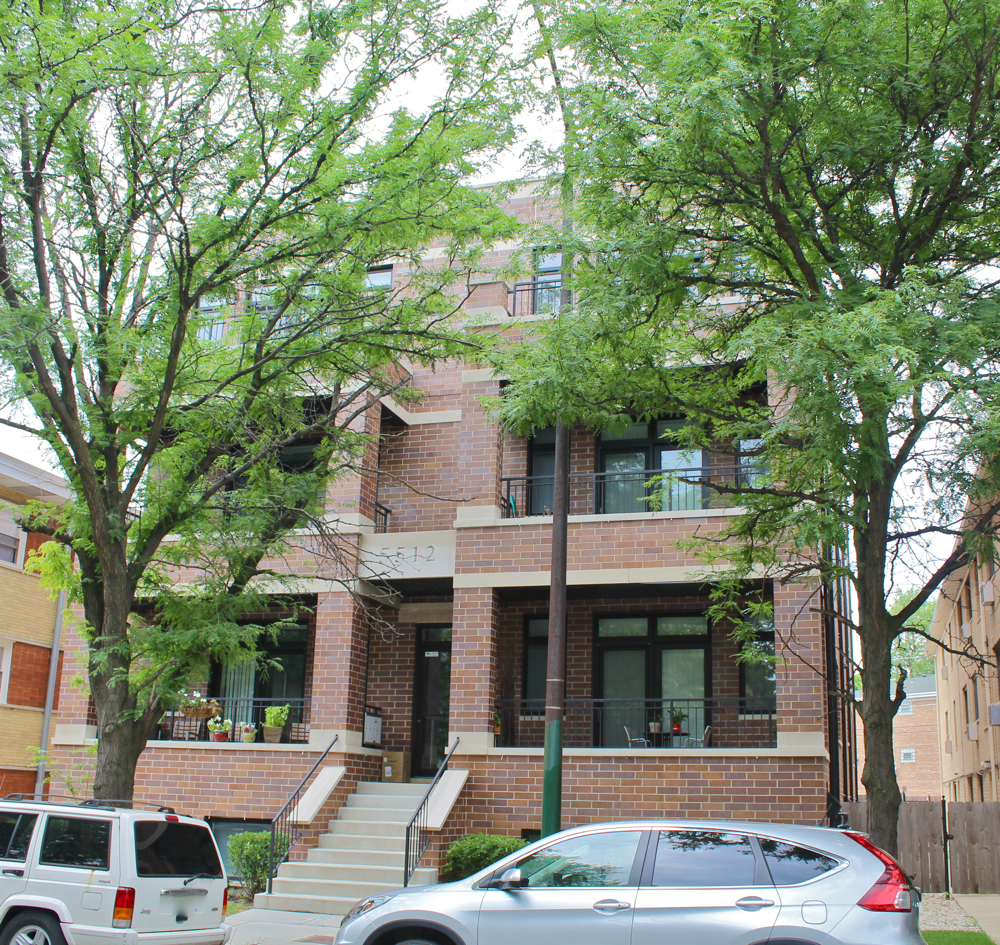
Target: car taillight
891, 892
124, 905
225, 901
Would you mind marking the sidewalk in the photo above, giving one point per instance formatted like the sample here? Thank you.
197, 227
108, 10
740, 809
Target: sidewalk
271, 927
985, 909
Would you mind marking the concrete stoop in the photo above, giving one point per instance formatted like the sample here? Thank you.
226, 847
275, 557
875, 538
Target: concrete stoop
361, 855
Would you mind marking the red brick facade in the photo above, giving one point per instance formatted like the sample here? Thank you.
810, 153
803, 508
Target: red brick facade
441, 470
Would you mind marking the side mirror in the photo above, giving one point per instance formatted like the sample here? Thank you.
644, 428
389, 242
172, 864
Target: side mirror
510, 879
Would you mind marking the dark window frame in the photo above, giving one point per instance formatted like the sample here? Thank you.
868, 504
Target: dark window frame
653, 644
526, 643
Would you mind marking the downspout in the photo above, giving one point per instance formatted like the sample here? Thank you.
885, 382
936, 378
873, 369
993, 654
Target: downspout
50, 693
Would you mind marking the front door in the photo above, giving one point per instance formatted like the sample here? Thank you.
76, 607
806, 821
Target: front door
431, 695
580, 891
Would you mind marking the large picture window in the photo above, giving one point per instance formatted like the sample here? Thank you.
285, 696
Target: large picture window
637, 467
651, 669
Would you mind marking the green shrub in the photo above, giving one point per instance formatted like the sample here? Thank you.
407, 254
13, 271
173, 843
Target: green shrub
476, 851
276, 715
250, 854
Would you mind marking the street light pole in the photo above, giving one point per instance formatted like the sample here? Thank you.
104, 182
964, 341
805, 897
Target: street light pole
555, 681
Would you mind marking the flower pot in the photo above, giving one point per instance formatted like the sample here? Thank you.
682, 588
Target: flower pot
249, 737
272, 733
655, 728
676, 728
220, 736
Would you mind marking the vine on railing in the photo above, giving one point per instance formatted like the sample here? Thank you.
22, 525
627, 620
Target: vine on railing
416, 830
282, 826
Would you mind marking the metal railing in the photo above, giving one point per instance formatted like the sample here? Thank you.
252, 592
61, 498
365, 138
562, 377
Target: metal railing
181, 725
614, 493
536, 297
416, 830
285, 831
724, 722
381, 518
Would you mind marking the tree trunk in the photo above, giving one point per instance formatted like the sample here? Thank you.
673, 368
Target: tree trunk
118, 749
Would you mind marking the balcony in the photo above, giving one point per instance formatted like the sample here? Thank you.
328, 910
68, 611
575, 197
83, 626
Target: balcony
735, 722
540, 296
177, 726
617, 493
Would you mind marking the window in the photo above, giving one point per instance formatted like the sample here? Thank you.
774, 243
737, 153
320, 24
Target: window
629, 459
758, 684
547, 282
541, 470
76, 843
6, 652
750, 463
174, 849
9, 547
965, 702
907, 755
790, 865
536, 655
703, 858
651, 668
212, 331
905, 708
15, 834
975, 698
599, 859
378, 277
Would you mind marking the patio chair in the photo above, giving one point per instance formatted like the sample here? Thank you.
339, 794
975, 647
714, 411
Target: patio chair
704, 742
635, 742
186, 729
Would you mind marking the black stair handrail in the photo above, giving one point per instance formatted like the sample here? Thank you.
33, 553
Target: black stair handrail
418, 821
283, 819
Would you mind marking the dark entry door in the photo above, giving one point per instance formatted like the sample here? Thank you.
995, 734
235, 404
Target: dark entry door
431, 693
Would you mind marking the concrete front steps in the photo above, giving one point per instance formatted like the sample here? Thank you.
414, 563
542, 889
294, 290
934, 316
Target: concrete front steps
361, 855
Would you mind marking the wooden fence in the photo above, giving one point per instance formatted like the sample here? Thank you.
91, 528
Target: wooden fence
973, 852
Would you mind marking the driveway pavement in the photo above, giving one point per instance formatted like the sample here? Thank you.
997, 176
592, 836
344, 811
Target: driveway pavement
271, 927
985, 909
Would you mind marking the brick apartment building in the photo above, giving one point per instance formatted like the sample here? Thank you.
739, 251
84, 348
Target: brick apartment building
968, 692
26, 628
444, 638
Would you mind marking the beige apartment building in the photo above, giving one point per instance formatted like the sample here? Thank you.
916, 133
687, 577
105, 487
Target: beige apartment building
27, 623
968, 690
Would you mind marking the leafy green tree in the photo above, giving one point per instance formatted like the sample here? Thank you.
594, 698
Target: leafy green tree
908, 648
786, 232
191, 198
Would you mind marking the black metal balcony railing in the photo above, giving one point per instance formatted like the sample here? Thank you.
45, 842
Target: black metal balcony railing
540, 296
614, 493
181, 726
381, 518
733, 722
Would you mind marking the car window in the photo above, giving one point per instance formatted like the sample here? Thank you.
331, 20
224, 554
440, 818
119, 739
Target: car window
173, 849
790, 864
703, 858
76, 842
15, 834
597, 859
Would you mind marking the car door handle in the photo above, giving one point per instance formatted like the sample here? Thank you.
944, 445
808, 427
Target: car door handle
753, 903
608, 906
13, 872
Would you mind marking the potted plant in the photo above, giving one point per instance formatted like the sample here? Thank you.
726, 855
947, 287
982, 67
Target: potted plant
248, 732
196, 706
676, 717
655, 724
220, 729
496, 723
275, 717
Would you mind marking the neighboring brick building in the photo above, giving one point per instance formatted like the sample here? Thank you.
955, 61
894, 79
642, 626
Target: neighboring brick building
969, 692
915, 739
26, 627
448, 636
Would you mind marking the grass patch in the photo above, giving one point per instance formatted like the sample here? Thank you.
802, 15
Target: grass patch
241, 904
957, 938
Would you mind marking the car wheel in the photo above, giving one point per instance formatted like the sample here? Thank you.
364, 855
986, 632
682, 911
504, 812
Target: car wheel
32, 928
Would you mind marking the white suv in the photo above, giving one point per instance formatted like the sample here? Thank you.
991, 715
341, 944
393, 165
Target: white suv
85, 874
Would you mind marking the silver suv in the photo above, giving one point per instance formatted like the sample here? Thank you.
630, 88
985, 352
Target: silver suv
652, 882
86, 874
